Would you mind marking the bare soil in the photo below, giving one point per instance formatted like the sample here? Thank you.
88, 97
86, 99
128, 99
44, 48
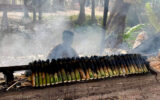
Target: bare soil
139, 87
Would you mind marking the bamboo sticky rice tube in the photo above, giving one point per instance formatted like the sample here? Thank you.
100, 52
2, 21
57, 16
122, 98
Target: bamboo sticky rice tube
104, 67
94, 71
81, 70
100, 67
88, 67
76, 70
33, 79
96, 67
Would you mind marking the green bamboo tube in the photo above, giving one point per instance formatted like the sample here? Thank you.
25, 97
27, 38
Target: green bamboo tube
52, 79
44, 78
56, 78
59, 77
37, 80
40, 79
33, 79
82, 74
64, 75
48, 79
78, 78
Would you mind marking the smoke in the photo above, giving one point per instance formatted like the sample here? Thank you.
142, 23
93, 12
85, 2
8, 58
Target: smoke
28, 45
25, 46
88, 40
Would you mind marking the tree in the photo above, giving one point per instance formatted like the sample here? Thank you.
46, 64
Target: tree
81, 17
93, 17
62, 4
4, 21
34, 10
105, 14
37, 6
88, 3
13, 2
116, 23
26, 15
40, 2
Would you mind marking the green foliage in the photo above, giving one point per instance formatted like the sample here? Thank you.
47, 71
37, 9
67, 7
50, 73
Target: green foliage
131, 33
153, 19
88, 21
133, 29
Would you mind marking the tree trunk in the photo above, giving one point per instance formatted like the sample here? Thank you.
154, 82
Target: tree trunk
26, 15
40, 10
93, 17
13, 2
73, 2
105, 14
62, 4
116, 23
88, 3
34, 2
4, 21
34, 15
55, 5
81, 18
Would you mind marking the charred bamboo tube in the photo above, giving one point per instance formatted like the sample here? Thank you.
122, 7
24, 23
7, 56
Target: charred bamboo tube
46, 73
76, 70
93, 68
68, 73
96, 67
107, 64
89, 68
43, 74
36, 74
138, 64
51, 68
100, 67
117, 63
46, 64
86, 71
113, 68
130, 64
124, 64
73, 76
67, 70
143, 64
40, 73
104, 67
60, 80
82, 70
54, 72
62, 70
33, 74
57, 74
133, 63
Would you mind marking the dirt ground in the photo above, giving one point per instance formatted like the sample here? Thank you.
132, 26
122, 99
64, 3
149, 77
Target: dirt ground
139, 87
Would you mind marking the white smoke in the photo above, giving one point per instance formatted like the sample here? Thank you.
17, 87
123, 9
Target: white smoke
25, 46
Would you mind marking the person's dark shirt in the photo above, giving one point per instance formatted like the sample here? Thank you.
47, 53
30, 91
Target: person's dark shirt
62, 51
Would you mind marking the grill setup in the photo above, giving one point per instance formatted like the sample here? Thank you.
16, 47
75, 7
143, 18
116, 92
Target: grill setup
80, 69
69, 70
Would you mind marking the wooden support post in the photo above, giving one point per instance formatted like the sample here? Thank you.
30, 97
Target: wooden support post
8, 76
